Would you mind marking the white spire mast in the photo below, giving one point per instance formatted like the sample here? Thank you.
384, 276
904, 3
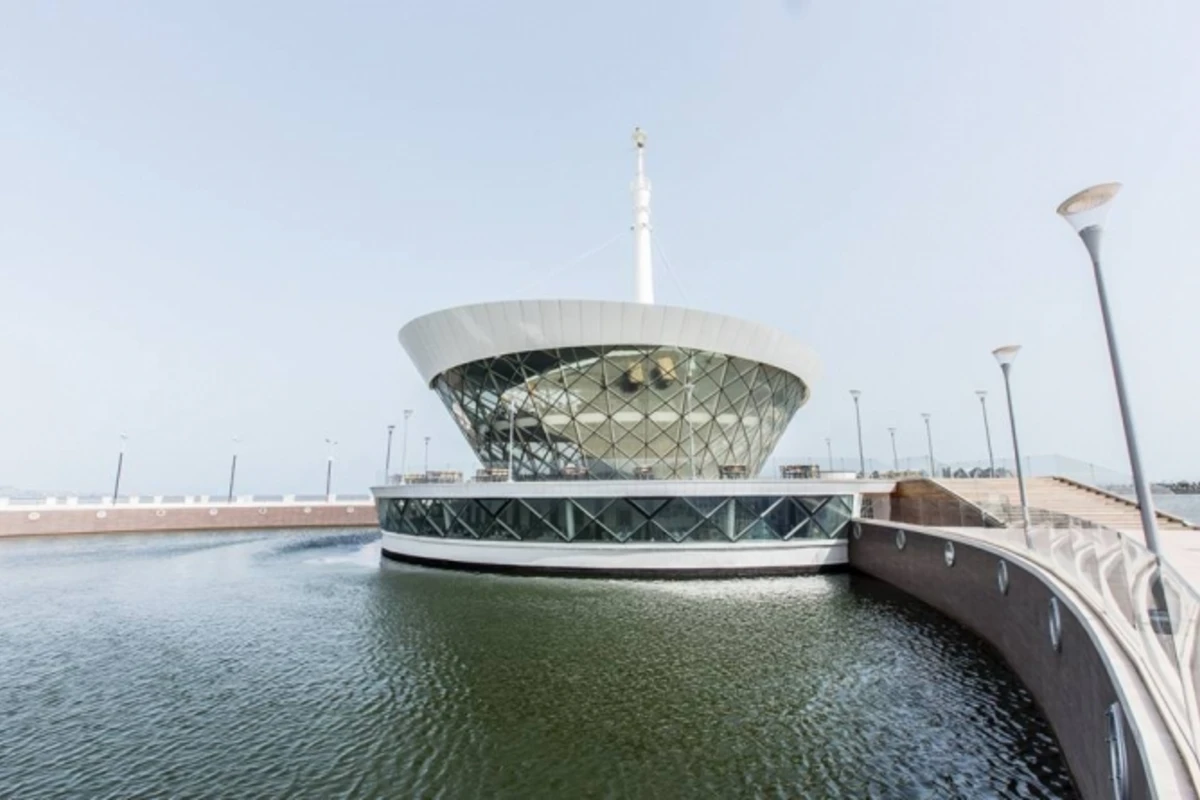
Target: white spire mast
643, 267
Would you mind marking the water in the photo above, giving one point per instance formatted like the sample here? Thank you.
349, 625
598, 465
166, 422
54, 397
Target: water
294, 664
1181, 505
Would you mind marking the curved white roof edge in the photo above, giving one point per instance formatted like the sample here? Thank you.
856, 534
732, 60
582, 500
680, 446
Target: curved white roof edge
443, 339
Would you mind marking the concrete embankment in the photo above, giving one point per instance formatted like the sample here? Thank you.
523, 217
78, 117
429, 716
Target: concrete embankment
45, 520
1060, 649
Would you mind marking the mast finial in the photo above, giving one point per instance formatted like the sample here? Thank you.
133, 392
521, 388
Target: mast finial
642, 262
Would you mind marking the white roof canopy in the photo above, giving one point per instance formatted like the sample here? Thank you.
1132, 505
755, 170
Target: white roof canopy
444, 339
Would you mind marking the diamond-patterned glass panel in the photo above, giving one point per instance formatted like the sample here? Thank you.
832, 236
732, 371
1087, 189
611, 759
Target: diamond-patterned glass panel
607, 519
789, 520
832, 517
621, 411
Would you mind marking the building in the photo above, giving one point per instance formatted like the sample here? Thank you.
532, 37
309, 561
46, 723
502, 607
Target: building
613, 425
612, 390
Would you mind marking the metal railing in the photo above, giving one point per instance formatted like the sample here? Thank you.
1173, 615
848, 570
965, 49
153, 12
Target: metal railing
1148, 605
71, 501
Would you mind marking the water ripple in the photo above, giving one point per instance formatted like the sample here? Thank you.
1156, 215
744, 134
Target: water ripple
296, 665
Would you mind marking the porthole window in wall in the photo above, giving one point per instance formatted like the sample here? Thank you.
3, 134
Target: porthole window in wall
1054, 621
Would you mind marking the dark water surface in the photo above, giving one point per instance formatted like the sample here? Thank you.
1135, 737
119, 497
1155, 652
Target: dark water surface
294, 664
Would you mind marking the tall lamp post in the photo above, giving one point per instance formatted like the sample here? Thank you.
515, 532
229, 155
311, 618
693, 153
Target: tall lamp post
120, 464
233, 469
829, 451
329, 468
1085, 212
387, 459
426, 455
987, 431
929, 439
862, 462
895, 458
404, 445
1005, 357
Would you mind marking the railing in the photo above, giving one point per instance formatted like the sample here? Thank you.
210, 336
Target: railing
179, 499
1151, 609
1148, 605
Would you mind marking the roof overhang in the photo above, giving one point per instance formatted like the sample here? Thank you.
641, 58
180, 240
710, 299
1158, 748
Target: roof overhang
443, 339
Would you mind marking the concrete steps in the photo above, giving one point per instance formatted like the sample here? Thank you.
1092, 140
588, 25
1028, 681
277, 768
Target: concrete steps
1061, 496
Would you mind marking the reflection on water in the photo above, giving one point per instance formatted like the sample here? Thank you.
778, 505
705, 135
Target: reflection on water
296, 664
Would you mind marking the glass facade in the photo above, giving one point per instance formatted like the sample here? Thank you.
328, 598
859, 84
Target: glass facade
625, 411
619, 519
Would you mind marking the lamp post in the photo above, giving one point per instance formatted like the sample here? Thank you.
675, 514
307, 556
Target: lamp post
233, 469
829, 451
387, 459
987, 431
929, 438
120, 464
862, 462
329, 468
1085, 212
404, 445
1005, 356
895, 458
426, 456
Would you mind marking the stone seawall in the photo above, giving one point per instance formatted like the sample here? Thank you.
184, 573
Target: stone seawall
50, 520
1073, 685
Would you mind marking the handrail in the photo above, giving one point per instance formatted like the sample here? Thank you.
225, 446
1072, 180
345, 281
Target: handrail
1158, 512
1149, 607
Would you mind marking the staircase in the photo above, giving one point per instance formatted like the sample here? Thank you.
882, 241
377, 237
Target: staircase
1057, 496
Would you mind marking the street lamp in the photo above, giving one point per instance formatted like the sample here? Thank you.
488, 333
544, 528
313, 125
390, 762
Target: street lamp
987, 431
829, 450
426, 456
329, 468
1005, 357
1085, 212
862, 462
895, 458
404, 445
387, 459
233, 468
120, 464
929, 438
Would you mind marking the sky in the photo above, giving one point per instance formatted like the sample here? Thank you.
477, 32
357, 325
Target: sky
215, 217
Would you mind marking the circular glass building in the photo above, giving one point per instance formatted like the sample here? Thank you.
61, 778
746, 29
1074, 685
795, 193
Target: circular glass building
559, 389
608, 434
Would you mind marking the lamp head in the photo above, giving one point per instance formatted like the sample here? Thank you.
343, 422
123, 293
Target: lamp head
1007, 354
982, 393
1088, 208
855, 393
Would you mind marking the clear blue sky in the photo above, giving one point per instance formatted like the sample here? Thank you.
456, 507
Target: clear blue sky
214, 217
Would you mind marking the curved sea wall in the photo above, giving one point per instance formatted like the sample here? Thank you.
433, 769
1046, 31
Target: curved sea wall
1076, 677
